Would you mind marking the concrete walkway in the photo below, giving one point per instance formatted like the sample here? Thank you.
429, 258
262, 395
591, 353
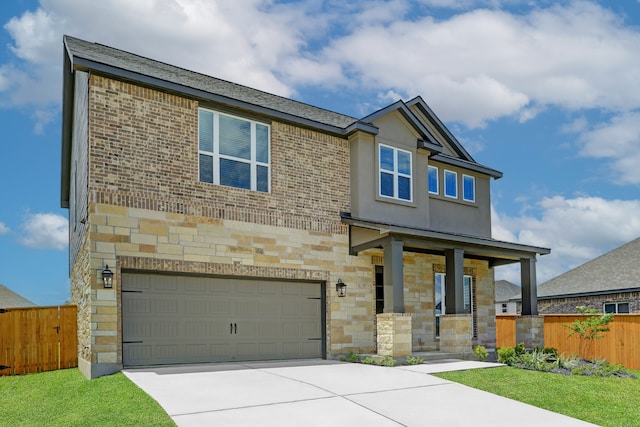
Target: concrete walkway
331, 394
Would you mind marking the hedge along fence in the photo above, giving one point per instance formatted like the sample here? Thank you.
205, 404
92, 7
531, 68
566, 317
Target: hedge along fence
620, 345
38, 339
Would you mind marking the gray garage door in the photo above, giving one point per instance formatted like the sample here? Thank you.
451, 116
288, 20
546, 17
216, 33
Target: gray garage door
179, 319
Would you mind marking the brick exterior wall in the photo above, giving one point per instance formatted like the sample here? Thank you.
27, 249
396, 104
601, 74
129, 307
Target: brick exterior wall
568, 305
147, 211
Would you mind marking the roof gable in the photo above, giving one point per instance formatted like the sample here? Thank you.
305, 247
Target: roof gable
615, 271
426, 139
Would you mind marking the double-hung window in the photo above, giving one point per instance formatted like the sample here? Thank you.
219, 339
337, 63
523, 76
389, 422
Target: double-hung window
450, 184
395, 173
468, 188
433, 180
233, 151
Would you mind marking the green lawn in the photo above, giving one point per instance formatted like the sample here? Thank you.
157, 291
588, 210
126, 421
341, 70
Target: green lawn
603, 401
66, 398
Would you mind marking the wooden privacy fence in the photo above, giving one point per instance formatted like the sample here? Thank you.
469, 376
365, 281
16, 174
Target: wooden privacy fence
620, 345
38, 339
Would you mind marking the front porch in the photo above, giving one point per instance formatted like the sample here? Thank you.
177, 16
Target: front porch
453, 314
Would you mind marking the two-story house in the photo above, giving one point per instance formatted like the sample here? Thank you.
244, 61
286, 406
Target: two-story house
210, 221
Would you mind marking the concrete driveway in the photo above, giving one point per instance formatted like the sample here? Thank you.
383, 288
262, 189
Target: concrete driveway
330, 394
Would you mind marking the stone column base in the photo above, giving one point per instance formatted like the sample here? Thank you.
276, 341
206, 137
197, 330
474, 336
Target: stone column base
394, 334
455, 333
530, 331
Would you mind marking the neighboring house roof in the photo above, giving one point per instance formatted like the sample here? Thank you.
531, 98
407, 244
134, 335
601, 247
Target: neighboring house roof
616, 271
506, 290
9, 299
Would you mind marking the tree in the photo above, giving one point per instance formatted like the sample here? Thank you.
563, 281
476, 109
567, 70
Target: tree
589, 328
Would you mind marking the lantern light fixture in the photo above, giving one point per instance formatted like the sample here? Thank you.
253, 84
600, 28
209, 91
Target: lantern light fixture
107, 277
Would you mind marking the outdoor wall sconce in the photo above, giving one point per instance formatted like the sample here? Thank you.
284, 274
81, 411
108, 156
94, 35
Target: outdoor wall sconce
341, 288
107, 277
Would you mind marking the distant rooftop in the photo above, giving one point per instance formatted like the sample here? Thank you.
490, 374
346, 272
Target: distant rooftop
10, 299
617, 270
506, 290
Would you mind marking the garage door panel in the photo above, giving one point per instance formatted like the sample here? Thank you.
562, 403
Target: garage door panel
193, 319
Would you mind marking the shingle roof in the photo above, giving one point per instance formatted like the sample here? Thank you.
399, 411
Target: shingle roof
81, 51
617, 270
10, 299
506, 290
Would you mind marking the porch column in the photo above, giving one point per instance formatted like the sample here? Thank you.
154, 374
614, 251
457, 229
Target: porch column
393, 276
529, 286
454, 282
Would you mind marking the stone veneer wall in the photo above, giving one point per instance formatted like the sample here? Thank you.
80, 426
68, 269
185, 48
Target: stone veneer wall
394, 334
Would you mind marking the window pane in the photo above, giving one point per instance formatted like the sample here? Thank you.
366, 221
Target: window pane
235, 137
609, 308
469, 188
206, 168
386, 184
262, 143
467, 294
262, 179
450, 184
439, 296
205, 130
386, 158
623, 307
404, 162
235, 174
433, 179
404, 188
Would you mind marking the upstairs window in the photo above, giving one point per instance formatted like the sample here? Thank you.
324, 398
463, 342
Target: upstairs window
433, 180
451, 184
233, 151
395, 173
468, 188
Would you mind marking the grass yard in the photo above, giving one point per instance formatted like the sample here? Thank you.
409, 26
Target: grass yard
67, 398
604, 401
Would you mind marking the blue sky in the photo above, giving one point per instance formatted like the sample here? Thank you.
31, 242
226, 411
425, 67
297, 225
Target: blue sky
548, 92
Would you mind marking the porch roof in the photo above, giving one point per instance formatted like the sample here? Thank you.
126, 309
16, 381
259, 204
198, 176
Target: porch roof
366, 234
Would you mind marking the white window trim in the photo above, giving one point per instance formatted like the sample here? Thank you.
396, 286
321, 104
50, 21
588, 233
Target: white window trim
253, 162
437, 180
615, 304
395, 174
473, 178
455, 174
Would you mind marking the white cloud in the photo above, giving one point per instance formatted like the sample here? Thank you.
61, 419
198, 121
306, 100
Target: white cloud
45, 231
576, 230
3, 229
618, 141
473, 67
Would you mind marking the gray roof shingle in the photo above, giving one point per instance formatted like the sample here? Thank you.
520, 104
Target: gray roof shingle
111, 58
617, 270
506, 290
10, 299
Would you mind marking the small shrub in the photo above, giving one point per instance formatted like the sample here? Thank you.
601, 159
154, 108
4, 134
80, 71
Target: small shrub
590, 328
388, 361
414, 360
354, 358
480, 352
519, 349
567, 362
368, 361
506, 355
